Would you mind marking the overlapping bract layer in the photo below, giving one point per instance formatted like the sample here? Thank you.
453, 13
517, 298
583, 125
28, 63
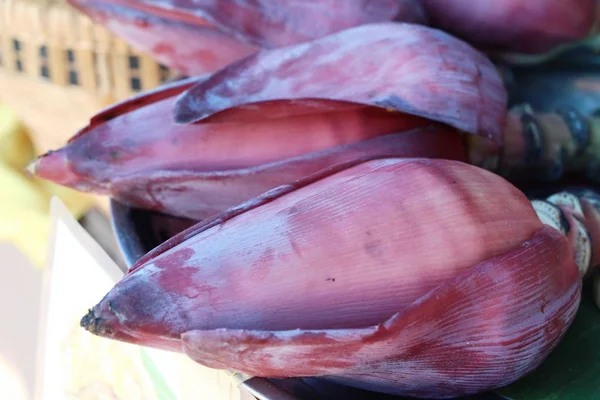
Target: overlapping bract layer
439, 276
200, 36
197, 37
265, 123
528, 26
400, 67
327, 247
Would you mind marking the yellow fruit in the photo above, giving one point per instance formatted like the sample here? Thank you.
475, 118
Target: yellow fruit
28, 230
17, 191
16, 147
25, 201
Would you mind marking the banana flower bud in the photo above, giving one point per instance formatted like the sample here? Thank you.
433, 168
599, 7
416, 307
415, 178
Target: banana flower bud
200, 146
198, 37
522, 26
189, 46
420, 277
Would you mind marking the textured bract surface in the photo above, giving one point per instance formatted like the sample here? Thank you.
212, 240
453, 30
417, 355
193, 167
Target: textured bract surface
518, 25
144, 159
197, 37
137, 153
396, 66
190, 47
571, 371
275, 23
481, 330
442, 281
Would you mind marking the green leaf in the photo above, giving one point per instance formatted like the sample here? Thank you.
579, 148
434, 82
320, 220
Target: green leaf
163, 391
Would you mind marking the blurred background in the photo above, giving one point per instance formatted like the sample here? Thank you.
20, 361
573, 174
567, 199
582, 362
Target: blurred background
57, 69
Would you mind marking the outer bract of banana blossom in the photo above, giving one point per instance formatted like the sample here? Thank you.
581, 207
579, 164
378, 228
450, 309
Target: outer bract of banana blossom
420, 277
200, 146
396, 66
528, 26
197, 37
191, 47
201, 36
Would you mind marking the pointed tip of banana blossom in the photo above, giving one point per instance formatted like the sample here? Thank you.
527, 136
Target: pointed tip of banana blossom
55, 167
31, 168
94, 323
51, 166
89, 322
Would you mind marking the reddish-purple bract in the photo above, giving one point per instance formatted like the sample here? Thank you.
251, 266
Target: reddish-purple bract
190, 47
276, 23
529, 26
197, 37
481, 330
283, 115
396, 66
434, 262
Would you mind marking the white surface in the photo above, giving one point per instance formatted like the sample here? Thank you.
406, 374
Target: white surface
73, 363
20, 285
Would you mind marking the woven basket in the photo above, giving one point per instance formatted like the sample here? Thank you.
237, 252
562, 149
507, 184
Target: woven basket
58, 68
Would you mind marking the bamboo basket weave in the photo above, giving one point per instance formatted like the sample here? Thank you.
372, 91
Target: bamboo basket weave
58, 68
